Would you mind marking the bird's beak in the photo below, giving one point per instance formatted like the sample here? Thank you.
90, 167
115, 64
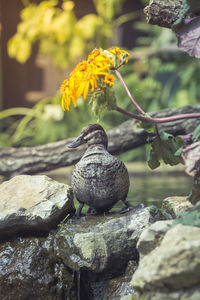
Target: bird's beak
77, 142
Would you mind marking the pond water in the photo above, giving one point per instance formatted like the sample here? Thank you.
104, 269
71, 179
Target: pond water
152, 189
146, 187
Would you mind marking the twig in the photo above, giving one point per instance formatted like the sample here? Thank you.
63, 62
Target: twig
128, 92
157, 120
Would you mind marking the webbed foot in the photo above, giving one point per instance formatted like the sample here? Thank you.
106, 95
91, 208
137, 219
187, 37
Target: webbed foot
129, 208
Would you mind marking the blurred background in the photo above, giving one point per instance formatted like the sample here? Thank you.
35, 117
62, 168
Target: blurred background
40, 44
42, 41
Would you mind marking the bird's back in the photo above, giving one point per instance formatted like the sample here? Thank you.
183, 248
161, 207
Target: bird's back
99, 179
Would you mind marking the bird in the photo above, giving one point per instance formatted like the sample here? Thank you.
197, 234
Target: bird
99, 179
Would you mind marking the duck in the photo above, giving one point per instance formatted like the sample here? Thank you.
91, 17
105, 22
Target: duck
99, 179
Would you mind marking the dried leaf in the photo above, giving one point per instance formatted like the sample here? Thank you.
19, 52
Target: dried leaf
189, 36
191, 157
194, 196
164, 147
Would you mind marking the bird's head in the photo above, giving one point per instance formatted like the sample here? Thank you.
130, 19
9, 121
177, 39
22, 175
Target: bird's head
92, 134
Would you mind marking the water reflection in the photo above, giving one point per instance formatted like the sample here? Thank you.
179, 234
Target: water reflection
150, 189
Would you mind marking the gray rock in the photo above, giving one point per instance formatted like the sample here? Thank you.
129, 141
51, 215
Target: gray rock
104, 287
30, 270
189, 294
152, 236
175, 205
127, 297
175, 264
80, 258
99, 242
120, 286
33, 204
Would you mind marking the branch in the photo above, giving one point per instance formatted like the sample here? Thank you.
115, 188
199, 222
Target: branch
122, 138
148, 119
157, 120
128, 92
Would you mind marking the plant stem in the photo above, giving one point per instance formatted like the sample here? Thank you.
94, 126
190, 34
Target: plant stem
148, 119
15, 111
128, 92
157, 131
157, 120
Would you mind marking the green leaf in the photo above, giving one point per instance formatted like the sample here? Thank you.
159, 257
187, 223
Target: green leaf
150, 127
191, 218
110, 98
164, 148
98, 103
104, 99
152, 159
196, 134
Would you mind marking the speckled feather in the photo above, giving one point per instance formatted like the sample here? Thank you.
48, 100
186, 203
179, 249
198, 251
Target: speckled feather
99, 179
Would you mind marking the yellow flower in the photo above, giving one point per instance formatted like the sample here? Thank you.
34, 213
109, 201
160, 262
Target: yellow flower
90, 74
94, 54
109, 78
119, 53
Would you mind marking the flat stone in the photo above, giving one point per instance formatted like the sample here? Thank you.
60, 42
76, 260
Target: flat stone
33, 204
175, 205
99, 241
175, 264
152, 236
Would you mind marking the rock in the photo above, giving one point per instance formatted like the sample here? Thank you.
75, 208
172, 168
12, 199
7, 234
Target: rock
189, 294
127, 297
99, 242
33, 204
174, 265
120, 286
152, 236
103, 286
175, 205
100, 248
30, 270
78, 259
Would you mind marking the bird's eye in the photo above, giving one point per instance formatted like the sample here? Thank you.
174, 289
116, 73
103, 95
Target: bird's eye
85, 138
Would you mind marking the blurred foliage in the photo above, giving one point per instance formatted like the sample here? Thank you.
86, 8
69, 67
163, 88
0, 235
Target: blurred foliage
60, 34
45, 122
156, 79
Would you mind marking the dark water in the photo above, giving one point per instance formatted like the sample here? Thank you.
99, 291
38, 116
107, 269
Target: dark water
148, 188
152, 189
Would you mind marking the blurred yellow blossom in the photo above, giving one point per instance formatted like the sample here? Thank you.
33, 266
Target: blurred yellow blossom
119, 52
91, 74
109, 78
